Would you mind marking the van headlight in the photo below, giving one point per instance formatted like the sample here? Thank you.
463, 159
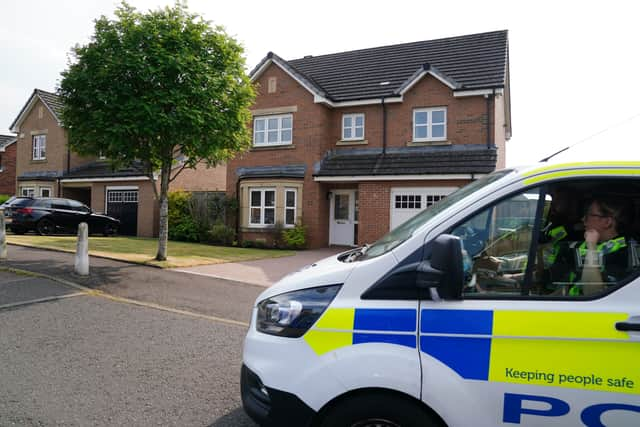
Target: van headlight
292, 314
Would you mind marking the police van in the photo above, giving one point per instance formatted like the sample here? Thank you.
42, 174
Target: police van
475, 312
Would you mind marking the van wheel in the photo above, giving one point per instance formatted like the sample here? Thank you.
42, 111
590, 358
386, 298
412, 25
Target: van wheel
379, 410
45, 227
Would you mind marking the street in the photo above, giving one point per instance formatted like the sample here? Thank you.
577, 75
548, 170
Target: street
78, 358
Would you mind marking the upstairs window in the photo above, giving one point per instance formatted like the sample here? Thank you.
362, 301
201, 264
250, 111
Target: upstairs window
430, 124
39, 147
352, 127
272, 130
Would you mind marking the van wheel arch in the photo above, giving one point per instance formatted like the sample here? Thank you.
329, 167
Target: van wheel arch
355, 398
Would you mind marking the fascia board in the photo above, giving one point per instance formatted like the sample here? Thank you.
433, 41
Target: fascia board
478, 92
106, 179
431, 177
375, 101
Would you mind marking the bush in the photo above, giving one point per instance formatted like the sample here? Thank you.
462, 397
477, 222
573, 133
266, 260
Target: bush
182, 225
220, 234
258, 244
202, 217
4, 198
295, 238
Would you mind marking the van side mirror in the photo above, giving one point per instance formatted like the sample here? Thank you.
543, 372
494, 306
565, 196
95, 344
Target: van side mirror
443, 271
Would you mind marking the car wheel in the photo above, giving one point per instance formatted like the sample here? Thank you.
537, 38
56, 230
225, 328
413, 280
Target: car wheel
109, 230
45, 227
379, 410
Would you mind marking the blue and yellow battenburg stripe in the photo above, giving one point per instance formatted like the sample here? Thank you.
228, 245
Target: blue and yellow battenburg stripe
563, 349
341, 327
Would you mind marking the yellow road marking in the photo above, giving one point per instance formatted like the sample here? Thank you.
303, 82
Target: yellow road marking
98, 293
39, 300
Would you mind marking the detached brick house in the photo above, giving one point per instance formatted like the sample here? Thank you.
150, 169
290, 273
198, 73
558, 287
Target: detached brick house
8, 165
354, 143
46, 167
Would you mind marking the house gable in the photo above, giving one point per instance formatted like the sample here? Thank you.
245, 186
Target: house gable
40, 98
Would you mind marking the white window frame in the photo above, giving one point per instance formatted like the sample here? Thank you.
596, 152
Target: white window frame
265, 130
262, 207
49, 189
353, 127
27, 191
429, 124
290, 208
39, 146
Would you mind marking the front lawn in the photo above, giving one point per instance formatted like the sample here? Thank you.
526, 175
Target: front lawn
143, 251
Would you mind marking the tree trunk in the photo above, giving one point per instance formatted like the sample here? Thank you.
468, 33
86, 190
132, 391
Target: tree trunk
163, 233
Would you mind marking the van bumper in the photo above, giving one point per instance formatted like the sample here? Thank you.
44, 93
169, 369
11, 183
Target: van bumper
270, 407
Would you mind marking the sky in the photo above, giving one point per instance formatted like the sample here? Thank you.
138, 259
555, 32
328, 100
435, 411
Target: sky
574, 65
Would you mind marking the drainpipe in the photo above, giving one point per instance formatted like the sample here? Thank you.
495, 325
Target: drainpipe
239, 210
489, 104
384, 127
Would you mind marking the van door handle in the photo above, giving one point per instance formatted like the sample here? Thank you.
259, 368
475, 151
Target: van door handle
628, 326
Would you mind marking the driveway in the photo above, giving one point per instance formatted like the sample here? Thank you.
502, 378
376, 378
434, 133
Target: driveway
264, 272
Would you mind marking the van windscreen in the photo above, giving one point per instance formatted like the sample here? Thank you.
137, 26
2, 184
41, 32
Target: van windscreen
406, 230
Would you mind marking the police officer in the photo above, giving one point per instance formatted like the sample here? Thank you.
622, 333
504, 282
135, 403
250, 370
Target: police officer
602, 258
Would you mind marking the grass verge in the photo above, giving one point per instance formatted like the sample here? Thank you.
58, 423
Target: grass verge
143, 251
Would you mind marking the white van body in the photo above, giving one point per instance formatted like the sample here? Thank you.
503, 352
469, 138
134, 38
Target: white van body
475, 360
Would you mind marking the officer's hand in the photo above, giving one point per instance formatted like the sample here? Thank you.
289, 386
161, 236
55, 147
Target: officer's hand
591, 236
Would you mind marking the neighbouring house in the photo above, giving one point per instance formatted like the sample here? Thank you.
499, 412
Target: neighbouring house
8, 164
47, 167
353, 144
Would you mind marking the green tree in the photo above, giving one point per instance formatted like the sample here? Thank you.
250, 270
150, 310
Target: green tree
154, 88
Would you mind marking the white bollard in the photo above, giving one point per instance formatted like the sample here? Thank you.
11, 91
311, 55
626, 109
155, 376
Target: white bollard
3, 236
82, 250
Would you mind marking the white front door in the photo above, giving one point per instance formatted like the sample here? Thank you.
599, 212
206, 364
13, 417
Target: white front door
343, 219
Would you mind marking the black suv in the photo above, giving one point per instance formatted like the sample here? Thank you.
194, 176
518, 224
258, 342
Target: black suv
50, 215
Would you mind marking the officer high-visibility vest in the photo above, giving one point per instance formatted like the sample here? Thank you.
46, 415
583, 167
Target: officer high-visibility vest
604, 248
555, 235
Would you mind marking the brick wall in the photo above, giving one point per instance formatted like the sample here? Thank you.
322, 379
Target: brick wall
8, 170
317, 128
201, 178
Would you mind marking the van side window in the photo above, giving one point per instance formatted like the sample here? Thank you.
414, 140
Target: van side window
496, 245
584, 243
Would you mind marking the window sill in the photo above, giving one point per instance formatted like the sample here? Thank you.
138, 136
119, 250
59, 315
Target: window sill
273, 147
352, 142
35, 162
423, 143
258, 228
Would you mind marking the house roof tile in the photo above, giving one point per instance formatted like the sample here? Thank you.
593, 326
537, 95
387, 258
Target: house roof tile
476, 61
286, 171
459, 159
103, 169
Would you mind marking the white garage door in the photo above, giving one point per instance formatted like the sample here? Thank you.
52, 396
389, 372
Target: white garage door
408, 201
